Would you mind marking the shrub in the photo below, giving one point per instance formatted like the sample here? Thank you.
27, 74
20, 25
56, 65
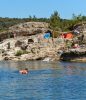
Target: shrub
20, 52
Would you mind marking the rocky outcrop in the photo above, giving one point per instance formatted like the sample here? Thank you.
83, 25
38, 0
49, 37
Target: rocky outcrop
33, 47
29, 28
24, 29
81, 27
75, 55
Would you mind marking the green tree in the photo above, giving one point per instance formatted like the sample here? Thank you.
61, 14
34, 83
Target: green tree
55, 21
77, 18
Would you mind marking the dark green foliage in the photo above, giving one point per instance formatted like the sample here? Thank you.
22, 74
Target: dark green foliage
20, 52
55, 21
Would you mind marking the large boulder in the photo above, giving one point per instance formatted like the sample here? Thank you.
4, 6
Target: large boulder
80, 28
29, 28
24, 29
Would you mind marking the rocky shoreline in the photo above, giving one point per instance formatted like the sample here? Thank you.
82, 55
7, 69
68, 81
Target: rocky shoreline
27, 42
74, 55
29, 48
26, 48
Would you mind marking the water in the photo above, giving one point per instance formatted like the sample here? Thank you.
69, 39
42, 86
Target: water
45, 81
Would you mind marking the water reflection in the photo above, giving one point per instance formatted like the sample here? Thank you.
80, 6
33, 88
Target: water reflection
74, 68
28, 64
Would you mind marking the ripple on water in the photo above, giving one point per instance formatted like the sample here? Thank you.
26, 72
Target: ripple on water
62, 83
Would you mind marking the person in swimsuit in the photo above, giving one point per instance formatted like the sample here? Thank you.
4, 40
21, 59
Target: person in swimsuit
24, 71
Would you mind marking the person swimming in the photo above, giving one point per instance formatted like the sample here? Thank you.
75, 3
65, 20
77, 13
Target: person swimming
24, 71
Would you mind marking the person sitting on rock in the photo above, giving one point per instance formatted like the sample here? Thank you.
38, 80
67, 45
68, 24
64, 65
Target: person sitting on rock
76, 46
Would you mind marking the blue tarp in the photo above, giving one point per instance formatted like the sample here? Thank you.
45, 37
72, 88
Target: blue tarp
47, 35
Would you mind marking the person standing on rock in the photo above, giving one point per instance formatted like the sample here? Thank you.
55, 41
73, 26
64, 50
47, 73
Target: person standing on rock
8, 45
14, 34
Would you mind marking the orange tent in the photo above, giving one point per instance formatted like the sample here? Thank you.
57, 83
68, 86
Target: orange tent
69, 36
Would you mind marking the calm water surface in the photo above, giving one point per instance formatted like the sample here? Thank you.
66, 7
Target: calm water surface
45, 81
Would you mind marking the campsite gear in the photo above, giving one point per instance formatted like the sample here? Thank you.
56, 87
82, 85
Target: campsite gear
47, 35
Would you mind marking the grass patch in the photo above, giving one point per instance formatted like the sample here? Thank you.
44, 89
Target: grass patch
21, 52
